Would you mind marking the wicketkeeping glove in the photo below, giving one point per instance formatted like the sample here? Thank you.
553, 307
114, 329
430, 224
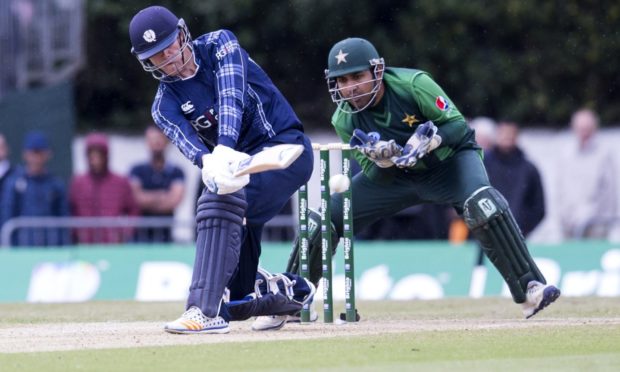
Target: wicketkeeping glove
217, 170
380, 152
424, 140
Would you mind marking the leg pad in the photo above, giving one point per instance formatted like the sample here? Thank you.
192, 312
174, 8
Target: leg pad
219, 221
488, 216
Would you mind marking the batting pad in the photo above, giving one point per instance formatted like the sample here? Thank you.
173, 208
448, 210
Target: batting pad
491, 222
219, 222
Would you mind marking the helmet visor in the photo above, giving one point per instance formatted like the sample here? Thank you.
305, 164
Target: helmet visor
344, 101
158, 71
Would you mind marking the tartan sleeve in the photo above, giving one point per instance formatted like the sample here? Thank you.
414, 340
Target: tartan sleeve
231, 63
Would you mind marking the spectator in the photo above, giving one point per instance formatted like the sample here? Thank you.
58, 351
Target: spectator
32, 191
158, 187
101, 193
6, 169
515, 177
484, 129
587, 181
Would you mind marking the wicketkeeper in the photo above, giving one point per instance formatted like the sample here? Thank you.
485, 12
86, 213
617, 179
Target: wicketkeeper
415, 147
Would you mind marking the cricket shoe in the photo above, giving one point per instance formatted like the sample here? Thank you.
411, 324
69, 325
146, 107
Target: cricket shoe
276, 322
194, 321
314, 316
269, 322
538, 296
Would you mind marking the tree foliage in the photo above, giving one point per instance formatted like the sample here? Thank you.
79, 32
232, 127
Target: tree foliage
534, 62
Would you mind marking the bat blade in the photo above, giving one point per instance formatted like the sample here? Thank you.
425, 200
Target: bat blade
271, 158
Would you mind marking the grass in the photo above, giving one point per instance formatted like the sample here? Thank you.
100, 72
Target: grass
578, 347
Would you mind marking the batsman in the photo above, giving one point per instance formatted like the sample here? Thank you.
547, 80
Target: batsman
415, 147
218, 107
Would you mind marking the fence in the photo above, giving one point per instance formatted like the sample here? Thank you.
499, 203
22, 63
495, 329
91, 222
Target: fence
66, 230
140, 229
41, 42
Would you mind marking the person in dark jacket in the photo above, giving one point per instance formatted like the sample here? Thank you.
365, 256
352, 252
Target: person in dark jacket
32, 191
6, 168
516, 177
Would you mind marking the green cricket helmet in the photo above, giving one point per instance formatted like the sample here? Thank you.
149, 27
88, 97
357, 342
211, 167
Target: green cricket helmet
349, 56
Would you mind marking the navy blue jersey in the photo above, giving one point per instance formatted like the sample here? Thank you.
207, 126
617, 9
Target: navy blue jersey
229, 101
152, 179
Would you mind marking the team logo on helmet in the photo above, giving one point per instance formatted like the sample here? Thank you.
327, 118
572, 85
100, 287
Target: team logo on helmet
442, 103
341, 57
149, 36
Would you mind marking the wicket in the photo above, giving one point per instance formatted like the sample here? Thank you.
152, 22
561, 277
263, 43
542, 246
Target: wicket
326, 239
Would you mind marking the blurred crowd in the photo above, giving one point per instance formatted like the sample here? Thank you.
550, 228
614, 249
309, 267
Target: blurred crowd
151, 189
586, 187
586, 191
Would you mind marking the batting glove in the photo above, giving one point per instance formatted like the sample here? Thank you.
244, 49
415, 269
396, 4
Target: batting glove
217, 170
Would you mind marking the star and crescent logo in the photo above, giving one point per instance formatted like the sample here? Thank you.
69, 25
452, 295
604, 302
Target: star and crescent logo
149, 36
341, 57
410, 120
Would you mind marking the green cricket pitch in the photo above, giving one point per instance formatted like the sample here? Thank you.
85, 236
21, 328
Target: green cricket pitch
573, 334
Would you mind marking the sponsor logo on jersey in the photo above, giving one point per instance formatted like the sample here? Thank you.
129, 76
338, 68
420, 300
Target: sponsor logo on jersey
187, 107
149, 36
226, 49
442, 103
206, 120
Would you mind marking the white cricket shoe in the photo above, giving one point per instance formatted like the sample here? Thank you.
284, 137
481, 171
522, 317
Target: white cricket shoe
269, 322
537, 297
314, 316
194, 321
275, 322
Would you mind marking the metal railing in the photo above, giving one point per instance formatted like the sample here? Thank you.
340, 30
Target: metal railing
88, 230
602, 225
97, 230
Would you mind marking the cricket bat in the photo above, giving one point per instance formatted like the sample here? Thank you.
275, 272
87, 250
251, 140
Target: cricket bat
271, 158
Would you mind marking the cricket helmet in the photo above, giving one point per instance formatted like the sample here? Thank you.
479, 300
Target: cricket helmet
154, 29
349, 56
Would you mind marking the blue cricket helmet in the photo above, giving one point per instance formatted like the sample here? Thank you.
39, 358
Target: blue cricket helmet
152, 30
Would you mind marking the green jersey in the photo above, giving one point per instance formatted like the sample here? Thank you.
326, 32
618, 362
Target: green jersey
411, 98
